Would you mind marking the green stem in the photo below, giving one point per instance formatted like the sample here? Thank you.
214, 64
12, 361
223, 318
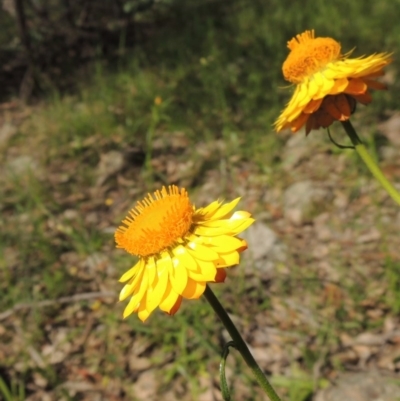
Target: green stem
226, 395
367, 159
240, 344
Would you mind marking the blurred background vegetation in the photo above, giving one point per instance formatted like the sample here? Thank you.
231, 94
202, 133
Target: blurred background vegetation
194, 83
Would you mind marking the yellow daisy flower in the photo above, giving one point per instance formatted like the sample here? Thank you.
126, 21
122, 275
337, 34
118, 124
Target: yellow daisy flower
180, 249
328, 84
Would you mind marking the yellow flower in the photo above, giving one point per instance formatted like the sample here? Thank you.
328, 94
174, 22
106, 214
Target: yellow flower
180, 249
328, 84
158, 100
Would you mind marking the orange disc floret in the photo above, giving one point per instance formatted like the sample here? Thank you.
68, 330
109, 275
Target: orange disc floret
308, 55
156, 223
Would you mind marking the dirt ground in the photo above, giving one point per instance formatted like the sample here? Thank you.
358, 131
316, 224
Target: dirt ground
317, 294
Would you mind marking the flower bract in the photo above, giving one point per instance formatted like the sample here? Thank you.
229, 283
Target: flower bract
180, 249
328, 83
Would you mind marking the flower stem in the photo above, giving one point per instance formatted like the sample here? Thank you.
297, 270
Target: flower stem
367, 159
240, 344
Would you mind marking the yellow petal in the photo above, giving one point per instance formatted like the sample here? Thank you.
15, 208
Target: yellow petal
330, 71
130, 308
219, 223
129, 288
321, 85
126, 291
241, 214
151, 271
225, 209
209, 210
209, 231
313, 90
242, 226
176, 306
234, 225
339, 87
184, 257
131, 272
345, 68
303, 95
223, 243
179, 277
228, 259
164, 263
194, 289
169, 299
208, 270
318, 79
137, 297
202, 252
143, 313
198, 276
312, 106
156, 295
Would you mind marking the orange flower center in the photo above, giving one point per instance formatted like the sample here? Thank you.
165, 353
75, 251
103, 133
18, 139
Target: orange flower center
156, 222
308, 55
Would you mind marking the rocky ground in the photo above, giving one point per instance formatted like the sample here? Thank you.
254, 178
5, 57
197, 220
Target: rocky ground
318, 301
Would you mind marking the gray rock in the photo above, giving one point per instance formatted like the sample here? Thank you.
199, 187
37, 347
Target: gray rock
265, 250
110, 163
303, 199
145, 387
391, 129
22, 166
388, 153
97, 262
299, 148
371, 386
7, 131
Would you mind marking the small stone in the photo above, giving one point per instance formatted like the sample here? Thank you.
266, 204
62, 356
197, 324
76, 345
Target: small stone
145, 387
206, 389
40, 380
389, 325
265, 250
391, 129
371, 235
299, 148
361, 387
22, 166
139, 364
302, 199
7, 131
110, 164
320, 251
70, 214
388, 153
370, 339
